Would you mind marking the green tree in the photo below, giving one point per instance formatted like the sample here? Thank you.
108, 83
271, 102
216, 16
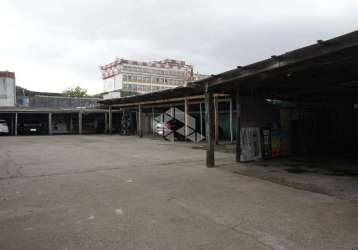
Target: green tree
75, 91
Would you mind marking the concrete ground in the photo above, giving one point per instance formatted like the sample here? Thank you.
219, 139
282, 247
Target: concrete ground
113, 192
331, 177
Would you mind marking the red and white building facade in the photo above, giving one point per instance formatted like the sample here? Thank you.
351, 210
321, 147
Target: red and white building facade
125, 77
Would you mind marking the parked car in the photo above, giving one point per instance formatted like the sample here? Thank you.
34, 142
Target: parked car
4, 128
160, 129
174, 124
33, 129
170, 126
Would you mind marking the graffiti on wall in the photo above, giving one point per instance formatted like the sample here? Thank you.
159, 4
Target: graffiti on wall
250, 144
276, 142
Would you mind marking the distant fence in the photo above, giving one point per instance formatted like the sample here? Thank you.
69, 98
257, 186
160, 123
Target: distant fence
56, 102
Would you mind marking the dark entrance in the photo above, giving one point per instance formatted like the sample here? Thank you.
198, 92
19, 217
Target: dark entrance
93, 123
9, 118
33, 124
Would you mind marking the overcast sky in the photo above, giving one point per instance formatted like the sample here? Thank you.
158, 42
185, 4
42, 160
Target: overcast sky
54, 44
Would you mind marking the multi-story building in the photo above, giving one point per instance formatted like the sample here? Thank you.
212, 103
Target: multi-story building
125, 77
7, 89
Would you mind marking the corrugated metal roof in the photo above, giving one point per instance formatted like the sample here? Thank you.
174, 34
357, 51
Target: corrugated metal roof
153, 96
279, 76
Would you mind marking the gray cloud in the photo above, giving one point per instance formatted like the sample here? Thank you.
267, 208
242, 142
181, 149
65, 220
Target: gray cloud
54, 44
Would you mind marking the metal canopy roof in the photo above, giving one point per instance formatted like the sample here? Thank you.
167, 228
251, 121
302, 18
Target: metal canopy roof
325, 71
49, 110
179, 92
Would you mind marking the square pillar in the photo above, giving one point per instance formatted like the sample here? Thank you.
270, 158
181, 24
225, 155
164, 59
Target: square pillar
80, 123
201, 122
105, 122
186, 118
15, 126
238, 126
71, 123
139, 123
209, 120
216, 119
153, 122
50, 123
110, 125
231, 131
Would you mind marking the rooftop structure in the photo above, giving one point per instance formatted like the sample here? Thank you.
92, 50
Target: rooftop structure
124, 77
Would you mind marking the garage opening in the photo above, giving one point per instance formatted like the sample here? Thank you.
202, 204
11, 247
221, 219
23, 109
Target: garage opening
7, 121
33, 124
325, 130
116, 122
66, 123
93, 123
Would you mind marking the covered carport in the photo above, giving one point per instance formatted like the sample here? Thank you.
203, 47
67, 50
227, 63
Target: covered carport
181, 108
145, 108
42, 121
315, 89
10, 121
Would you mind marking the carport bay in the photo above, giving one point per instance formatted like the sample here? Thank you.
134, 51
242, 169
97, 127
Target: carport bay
31, 121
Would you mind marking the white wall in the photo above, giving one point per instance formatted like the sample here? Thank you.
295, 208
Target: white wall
113, 83
111, 95
7, 91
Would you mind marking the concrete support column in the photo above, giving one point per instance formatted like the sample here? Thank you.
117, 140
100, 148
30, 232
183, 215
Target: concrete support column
110, 125
80, 123
186, 118
50, 123
71, 123
15, 126
172, 114
209, 120
231, 131
201, 122
139, 124
153, 122
238, 125
216, 119
105, 123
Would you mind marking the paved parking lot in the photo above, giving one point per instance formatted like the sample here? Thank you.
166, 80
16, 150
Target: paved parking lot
113, 192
